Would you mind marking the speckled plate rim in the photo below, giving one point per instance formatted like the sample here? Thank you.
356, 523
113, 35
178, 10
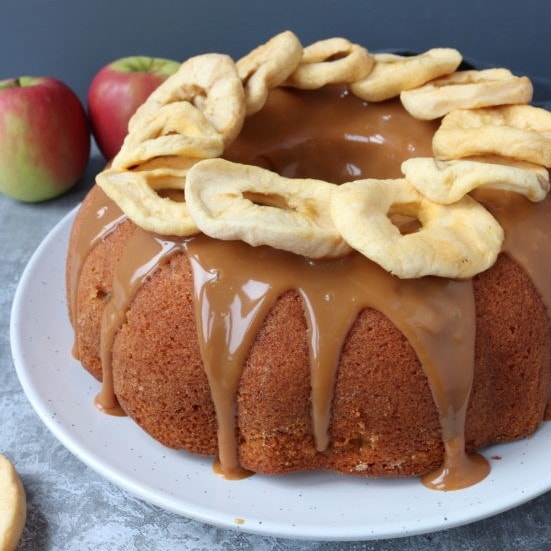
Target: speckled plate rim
312, 506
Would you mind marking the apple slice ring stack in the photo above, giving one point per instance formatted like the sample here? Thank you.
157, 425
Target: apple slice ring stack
190, 117
489, 137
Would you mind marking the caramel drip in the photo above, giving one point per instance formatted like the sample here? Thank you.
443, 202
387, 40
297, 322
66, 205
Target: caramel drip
143, 254
328, 325
229, 309
436, 315
107, 215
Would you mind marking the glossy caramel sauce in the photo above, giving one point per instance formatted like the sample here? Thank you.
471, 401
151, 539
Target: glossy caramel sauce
107, 217
331, 135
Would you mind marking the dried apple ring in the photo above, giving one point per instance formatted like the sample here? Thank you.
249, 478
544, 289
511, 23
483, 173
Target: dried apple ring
446, 182
393, 74
161, 174
331, 61
522, 132
211, 83
457, 241
136, 196
177, 129
466, 90
267, 67
234, 201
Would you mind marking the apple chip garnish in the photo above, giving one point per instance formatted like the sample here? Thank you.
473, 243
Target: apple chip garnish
13, 507
446, 182
191, 116
331, 61
522, 132
235, 201
136, 194
393, 74
211, 83
178, 129
456, 241
177, 137
466, 90
266, 67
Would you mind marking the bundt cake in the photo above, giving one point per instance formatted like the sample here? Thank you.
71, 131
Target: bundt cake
266, 273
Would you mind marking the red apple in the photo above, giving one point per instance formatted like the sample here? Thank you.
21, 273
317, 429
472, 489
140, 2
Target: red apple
44, 138
117, 91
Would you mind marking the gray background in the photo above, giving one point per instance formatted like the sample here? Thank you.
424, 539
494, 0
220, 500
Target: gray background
72, 508
72, 39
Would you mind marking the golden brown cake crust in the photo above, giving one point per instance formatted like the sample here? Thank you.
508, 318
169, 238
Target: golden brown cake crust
384, 422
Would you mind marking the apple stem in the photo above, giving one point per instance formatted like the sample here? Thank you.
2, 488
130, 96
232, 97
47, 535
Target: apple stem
11, 83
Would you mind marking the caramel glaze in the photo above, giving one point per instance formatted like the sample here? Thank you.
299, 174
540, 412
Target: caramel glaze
236, 285
331, 135
107, 216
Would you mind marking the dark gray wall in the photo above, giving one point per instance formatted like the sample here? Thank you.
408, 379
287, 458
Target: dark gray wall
72, 39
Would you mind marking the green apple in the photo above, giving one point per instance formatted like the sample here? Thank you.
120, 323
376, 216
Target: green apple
115, 93
44, 138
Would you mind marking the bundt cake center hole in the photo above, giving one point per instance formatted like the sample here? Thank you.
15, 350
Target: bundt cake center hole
331, 135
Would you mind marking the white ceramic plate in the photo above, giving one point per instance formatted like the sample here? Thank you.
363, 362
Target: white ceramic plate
315, 506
